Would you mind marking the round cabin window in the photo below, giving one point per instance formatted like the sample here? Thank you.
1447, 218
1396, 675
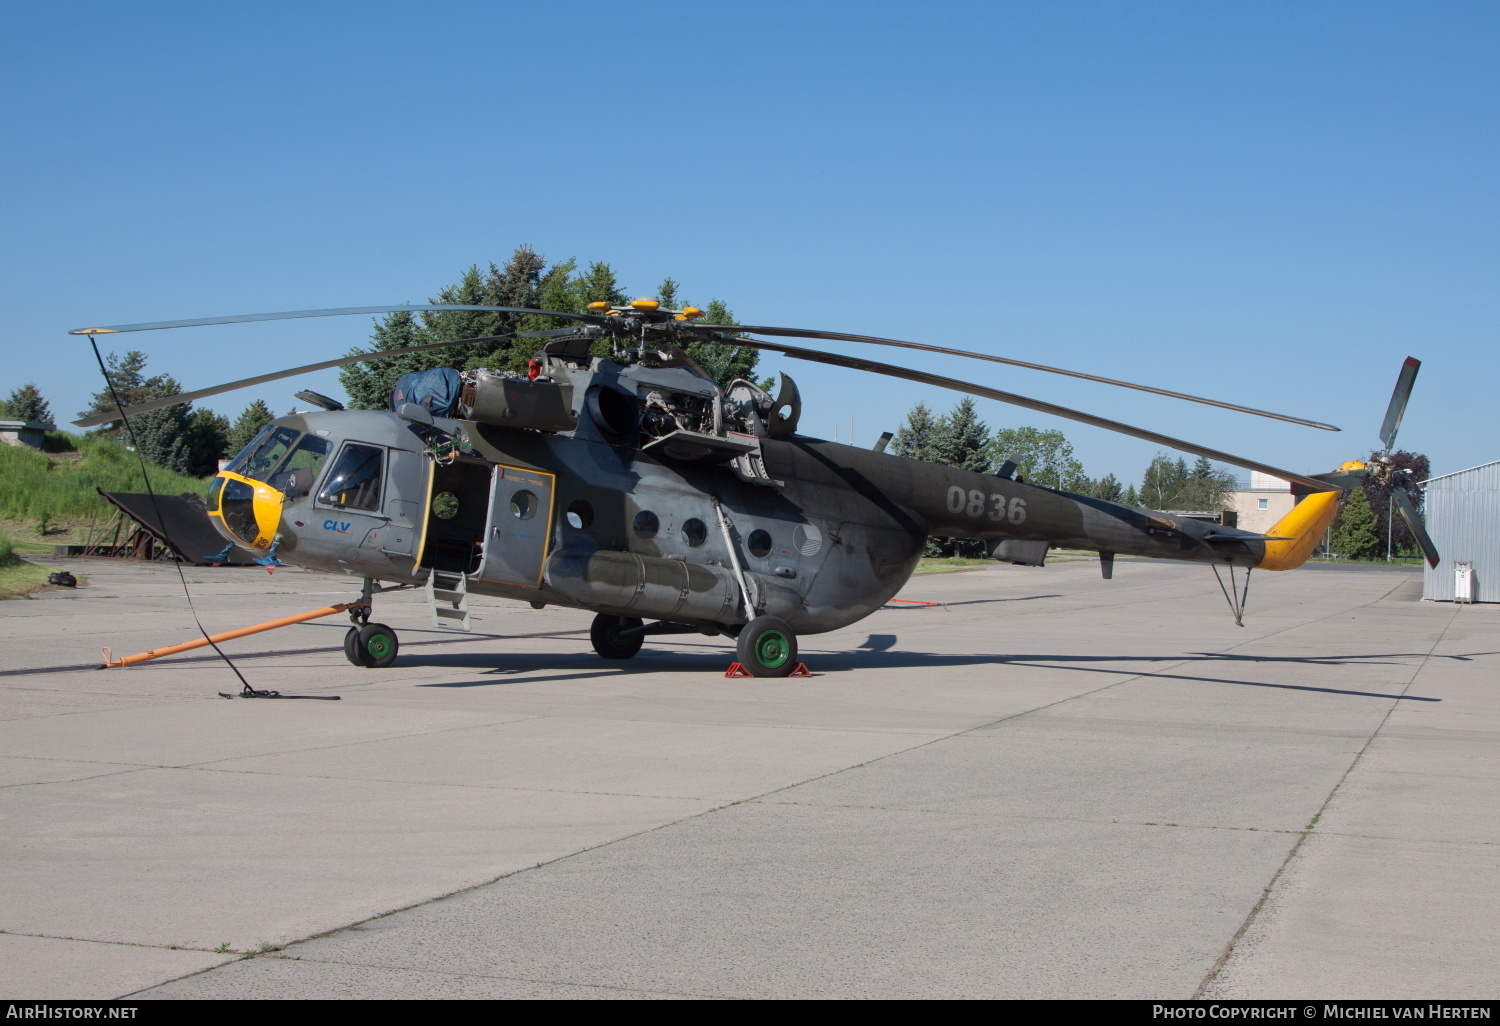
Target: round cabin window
694, 532
760, 544
646, 525
523, 505
445, 505
580, 514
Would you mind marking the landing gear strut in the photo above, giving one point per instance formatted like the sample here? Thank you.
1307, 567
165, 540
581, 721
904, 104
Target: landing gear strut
367, 644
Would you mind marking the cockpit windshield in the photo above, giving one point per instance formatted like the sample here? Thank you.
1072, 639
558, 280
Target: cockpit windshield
260, 457
296, 476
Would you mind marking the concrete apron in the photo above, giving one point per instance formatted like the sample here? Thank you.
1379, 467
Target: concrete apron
1050, 785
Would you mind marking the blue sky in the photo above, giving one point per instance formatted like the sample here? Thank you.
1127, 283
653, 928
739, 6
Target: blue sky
1270, 203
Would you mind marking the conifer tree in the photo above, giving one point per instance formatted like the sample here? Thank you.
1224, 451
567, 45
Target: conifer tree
254, 417
1107, 488
208, 442
722, 361
962, 440
1354, 531
161, 436
558, 292
127, 375
915, 437
666, 293
369, 383
27, 403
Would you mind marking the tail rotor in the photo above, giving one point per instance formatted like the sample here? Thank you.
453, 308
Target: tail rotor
1396, 482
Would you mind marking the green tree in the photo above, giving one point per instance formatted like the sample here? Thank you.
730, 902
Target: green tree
254, 417
27, 403
1044, 457
161, 436
722, 361
164, 436
559, 292
526, 282
1171, 484
1403, 542
1131, 497
1354, 531
208, 442
127, 375
369, 383
915, 437
1107, 488
666, 293
960, 440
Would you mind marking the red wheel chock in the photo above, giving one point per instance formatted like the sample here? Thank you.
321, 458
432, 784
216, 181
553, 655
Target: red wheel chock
738, 670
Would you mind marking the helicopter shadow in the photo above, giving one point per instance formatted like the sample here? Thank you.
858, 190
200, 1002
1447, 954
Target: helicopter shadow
878, 654
918, 606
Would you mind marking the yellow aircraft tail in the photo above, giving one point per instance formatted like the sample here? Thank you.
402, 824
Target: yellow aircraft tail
1301, 528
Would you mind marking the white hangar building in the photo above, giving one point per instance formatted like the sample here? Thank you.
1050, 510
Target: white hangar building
1463, 517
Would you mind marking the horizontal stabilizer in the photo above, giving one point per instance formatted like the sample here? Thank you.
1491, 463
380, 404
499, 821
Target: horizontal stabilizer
1244, 537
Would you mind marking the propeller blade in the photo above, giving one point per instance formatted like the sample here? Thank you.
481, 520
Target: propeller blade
111, 416
889, 370
342, 312
1394, 412
1414, 521
842, 337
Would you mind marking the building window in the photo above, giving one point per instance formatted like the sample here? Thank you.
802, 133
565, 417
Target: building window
1262, 503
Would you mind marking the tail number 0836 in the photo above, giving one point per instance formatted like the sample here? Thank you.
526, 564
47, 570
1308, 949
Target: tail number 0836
990, 507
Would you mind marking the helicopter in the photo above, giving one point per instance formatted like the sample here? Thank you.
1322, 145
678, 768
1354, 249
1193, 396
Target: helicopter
634, 486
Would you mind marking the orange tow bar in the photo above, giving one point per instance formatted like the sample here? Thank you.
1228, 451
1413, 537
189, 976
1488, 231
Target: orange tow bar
271, 625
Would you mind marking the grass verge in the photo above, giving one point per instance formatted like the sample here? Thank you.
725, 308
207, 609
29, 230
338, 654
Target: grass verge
948, 565
19, 578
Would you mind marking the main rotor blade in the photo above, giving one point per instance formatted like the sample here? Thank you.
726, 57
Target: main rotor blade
342, 312
111, 416
1414, 521
872, 340
889, 370
1397, 409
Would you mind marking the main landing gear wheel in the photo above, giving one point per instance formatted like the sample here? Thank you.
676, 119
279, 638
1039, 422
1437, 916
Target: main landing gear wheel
605, 634
373, 645
767, 647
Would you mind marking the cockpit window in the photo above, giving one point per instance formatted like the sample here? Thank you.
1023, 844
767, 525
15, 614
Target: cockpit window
296, 476
354, 481
243, 456
261, 456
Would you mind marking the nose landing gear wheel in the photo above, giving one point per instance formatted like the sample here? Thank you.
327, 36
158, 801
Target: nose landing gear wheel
373, 645
767, 647
605, 634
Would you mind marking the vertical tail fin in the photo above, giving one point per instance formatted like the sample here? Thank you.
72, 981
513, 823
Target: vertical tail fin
1302, 527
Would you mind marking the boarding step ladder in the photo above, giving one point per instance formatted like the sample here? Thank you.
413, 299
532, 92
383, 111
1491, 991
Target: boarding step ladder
448, 598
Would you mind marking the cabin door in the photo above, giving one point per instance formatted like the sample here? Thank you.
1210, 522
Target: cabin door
520, 526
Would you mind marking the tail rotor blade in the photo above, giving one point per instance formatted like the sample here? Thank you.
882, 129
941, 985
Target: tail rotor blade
1394, 412
1414, 521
